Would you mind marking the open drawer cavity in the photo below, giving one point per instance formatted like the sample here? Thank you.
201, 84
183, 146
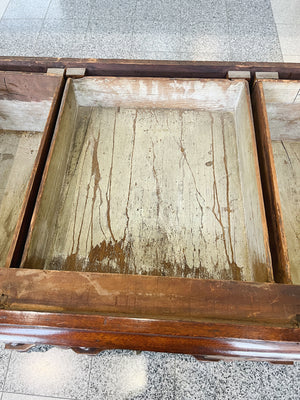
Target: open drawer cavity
281, 130
155, 177
27, 102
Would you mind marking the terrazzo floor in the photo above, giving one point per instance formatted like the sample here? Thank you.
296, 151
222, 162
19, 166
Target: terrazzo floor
238, 30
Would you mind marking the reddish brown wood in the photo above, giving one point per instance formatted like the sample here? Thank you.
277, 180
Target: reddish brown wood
19, 347
149, 296
106, 332
278, 244
187, 69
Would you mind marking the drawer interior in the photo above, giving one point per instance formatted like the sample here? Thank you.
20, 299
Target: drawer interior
154, 177
283, 109
25, 102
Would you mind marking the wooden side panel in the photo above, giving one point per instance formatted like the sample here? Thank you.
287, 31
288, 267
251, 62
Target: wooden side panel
149, 296
278, 243
283, 109
27, 104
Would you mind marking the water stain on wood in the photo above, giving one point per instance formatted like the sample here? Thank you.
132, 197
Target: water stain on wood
153, 191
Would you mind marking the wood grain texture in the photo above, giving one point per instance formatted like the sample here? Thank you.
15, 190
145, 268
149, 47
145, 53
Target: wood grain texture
149, 296
151, 186
283, 108
25, 104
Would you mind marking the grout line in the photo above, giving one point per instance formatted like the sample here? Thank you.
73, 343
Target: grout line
4, 11
7, 368
134, 18
42, 25
89, 378
38, 395
275, 23
229, 33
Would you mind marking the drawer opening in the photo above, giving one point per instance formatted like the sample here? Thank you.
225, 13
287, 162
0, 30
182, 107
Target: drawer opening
283, 110
25, 110
152, 177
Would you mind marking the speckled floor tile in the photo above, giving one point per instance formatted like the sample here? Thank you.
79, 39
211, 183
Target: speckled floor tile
254, 42
119, 375
289, 37
250, 11
61, 37
203, 10
4, 360
194, 380
286, 12
18, 36
205, 37
26, 9
107, 37
14, 396
56, 373
235, 380
68, 9
156, 28
3, 6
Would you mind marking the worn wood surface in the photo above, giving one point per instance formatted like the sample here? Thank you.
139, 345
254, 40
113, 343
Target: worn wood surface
153, 183
149, 296
153, 68
25, 104
283, 108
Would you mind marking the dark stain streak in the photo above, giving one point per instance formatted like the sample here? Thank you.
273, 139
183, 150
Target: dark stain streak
286, 153
182, 149
108, 192
236, 271
156, 181
130, 178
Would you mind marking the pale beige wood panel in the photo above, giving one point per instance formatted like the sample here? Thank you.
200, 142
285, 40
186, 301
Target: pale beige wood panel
287, 164
18, 150
152, 191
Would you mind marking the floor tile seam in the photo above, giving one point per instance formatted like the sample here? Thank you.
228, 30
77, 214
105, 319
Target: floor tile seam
133, 18
276, 30
46, 397
229, 33
5, 10
6, 373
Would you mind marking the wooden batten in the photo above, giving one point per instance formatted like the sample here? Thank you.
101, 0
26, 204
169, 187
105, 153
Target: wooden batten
75, 73
239, 75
